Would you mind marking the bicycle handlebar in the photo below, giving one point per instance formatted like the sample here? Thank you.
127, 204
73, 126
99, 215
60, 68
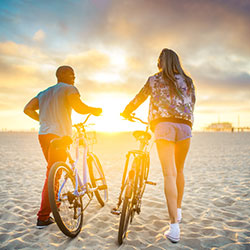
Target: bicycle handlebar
81, 124
132, 118
138, 119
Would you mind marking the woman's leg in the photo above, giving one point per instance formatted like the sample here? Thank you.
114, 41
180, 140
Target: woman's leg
181, 150
166, 152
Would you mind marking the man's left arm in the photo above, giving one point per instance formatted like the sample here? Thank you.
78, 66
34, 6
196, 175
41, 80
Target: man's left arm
81, 108
31, 107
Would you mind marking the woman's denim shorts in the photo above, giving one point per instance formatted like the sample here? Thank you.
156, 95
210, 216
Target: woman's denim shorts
172, 131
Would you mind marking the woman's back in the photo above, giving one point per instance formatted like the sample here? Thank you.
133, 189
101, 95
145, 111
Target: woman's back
172, 99
164, 104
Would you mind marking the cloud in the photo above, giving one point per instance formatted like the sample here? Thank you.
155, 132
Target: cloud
24, 71
211, 38
222, 80
39, 36
187, 26
89, 61
22, 51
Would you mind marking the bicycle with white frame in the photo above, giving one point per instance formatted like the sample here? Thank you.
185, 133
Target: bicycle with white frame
69, 195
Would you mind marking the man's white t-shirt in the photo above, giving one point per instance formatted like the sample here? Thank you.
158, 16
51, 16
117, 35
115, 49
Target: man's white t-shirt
55, 110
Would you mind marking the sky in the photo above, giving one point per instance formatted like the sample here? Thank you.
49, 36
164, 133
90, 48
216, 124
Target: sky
113, 46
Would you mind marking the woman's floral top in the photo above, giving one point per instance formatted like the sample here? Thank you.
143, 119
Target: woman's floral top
162, 104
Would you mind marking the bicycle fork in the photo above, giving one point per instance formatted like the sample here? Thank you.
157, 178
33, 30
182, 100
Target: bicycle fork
126, 181
131, 186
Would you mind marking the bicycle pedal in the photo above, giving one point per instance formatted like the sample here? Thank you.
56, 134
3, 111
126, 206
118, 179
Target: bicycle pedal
102, 187
115, 211
151, 183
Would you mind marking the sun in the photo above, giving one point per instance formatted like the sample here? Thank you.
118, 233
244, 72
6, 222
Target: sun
110, 121
112, 103
117, 58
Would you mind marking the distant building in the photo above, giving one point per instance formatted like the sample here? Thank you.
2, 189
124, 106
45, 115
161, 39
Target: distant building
220, 126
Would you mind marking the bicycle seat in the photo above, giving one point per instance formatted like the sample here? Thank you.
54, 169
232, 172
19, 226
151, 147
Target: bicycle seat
62, 142
141, 135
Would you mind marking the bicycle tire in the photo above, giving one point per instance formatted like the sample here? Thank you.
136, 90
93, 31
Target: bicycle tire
127, 213
97, 178
68, 204
124, 220
147, 167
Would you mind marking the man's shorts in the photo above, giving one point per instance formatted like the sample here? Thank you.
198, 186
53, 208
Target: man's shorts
172, 131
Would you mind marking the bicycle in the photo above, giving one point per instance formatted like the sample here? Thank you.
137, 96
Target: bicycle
133, 181
65, 187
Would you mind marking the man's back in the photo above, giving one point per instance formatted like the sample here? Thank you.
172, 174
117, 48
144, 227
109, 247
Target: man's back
55, 105
55, 110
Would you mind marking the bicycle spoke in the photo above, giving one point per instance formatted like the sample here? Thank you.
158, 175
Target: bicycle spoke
66, 207
97, 178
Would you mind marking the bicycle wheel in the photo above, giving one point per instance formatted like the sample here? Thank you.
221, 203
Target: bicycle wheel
127, 207
124, 219
97, 178
66, 207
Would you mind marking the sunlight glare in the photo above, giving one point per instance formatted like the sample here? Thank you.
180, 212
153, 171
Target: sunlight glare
110, 120
118, 58
106, 77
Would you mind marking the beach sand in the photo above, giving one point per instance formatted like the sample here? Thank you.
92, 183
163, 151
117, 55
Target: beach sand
216, 202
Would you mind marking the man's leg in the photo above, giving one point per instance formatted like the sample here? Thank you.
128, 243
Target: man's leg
52, 156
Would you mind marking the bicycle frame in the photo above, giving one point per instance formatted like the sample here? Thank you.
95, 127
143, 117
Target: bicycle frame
138, 155
133, 181
81, 187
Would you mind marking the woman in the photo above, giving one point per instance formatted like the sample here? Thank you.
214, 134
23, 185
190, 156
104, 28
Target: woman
172, 99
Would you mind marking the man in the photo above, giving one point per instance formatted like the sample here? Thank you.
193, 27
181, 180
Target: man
55, 105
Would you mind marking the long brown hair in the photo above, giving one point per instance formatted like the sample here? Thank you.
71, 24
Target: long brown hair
170, 65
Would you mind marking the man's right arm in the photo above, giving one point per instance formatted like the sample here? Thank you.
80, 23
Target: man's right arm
31, 107
81, 108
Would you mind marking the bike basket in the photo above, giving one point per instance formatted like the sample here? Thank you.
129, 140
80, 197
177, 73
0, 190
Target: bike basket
91, 137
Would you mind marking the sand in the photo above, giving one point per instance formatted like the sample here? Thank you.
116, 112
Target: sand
215, 206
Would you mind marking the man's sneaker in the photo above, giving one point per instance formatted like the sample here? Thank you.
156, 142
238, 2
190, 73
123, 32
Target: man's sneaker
173, 234
44, 223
